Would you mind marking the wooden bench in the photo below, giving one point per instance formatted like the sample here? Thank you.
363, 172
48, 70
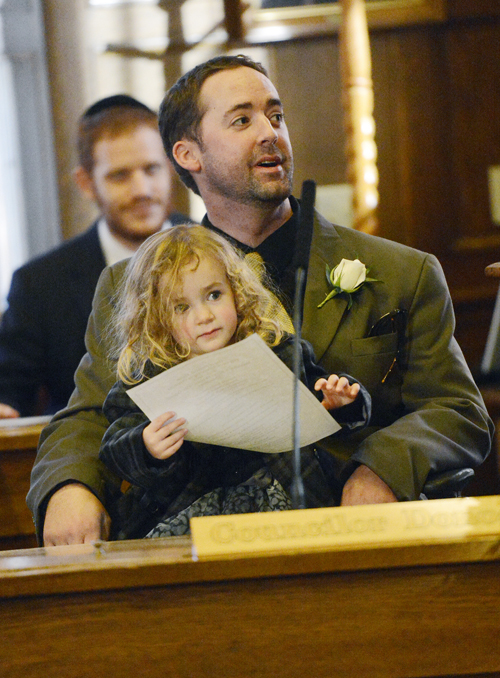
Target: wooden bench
17, 454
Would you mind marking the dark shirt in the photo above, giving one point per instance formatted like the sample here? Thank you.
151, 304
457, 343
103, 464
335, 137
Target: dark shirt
277, 251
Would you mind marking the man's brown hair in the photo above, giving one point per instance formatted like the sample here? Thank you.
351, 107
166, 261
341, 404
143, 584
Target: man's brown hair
108, 119
180, 113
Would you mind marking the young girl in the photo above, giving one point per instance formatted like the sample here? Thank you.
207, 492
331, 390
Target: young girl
189, 292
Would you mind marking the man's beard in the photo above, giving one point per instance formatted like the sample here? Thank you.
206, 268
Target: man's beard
250, 191
122, 223
274, 192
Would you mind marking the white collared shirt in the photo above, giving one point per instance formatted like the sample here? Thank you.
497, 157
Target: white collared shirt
113, 249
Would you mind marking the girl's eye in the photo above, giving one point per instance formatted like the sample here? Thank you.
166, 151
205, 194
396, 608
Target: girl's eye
180, 308
214, 295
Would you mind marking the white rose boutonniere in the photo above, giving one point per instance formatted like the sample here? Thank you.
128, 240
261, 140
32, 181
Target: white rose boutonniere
346, 278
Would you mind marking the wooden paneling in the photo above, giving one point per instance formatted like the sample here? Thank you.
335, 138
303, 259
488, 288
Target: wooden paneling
473, 8
412, 137
308, 82
17, 454
474, 67
15, 470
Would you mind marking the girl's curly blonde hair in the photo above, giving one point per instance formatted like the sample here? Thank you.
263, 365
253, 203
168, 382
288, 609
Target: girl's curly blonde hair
144, 314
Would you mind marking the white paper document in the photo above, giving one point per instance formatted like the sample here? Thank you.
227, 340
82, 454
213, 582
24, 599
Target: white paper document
240, 396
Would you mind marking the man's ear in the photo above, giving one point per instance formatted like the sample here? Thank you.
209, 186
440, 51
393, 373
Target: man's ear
84, 182
187, 154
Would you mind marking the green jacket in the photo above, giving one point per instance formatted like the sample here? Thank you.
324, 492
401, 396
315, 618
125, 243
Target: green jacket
426, 418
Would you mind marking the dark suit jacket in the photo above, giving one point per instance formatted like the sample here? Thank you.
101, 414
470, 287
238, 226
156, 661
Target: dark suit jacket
42, 330
426, 419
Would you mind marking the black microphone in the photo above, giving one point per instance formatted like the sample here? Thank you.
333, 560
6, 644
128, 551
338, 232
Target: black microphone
305, 228
301, 264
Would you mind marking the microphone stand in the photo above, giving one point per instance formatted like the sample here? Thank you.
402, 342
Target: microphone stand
298, 495
301, 259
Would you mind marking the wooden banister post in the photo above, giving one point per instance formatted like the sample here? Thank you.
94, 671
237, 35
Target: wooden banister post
358, 114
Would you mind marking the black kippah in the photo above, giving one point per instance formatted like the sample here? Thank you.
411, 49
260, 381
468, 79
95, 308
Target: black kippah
113, 101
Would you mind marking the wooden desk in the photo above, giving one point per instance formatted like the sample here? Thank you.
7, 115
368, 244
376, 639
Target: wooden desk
20, 437
17, 454
147, 609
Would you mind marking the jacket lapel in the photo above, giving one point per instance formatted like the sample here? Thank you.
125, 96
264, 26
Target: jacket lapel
320, 325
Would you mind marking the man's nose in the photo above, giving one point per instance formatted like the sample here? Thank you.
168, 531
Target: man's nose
267, 132
140, 184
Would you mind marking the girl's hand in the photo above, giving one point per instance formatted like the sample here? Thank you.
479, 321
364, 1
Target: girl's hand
336, 391
163, 439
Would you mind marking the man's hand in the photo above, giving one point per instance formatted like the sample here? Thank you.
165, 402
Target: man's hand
366, 487
8, 412
74, 516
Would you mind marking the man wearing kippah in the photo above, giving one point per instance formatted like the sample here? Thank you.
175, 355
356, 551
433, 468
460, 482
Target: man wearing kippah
124, 170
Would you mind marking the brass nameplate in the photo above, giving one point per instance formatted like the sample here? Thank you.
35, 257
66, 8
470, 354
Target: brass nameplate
340, 527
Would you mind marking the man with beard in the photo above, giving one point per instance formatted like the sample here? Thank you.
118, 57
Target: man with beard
123, 168
222, 126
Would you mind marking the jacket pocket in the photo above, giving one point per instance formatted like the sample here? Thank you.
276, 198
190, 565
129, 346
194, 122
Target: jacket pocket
385, 343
